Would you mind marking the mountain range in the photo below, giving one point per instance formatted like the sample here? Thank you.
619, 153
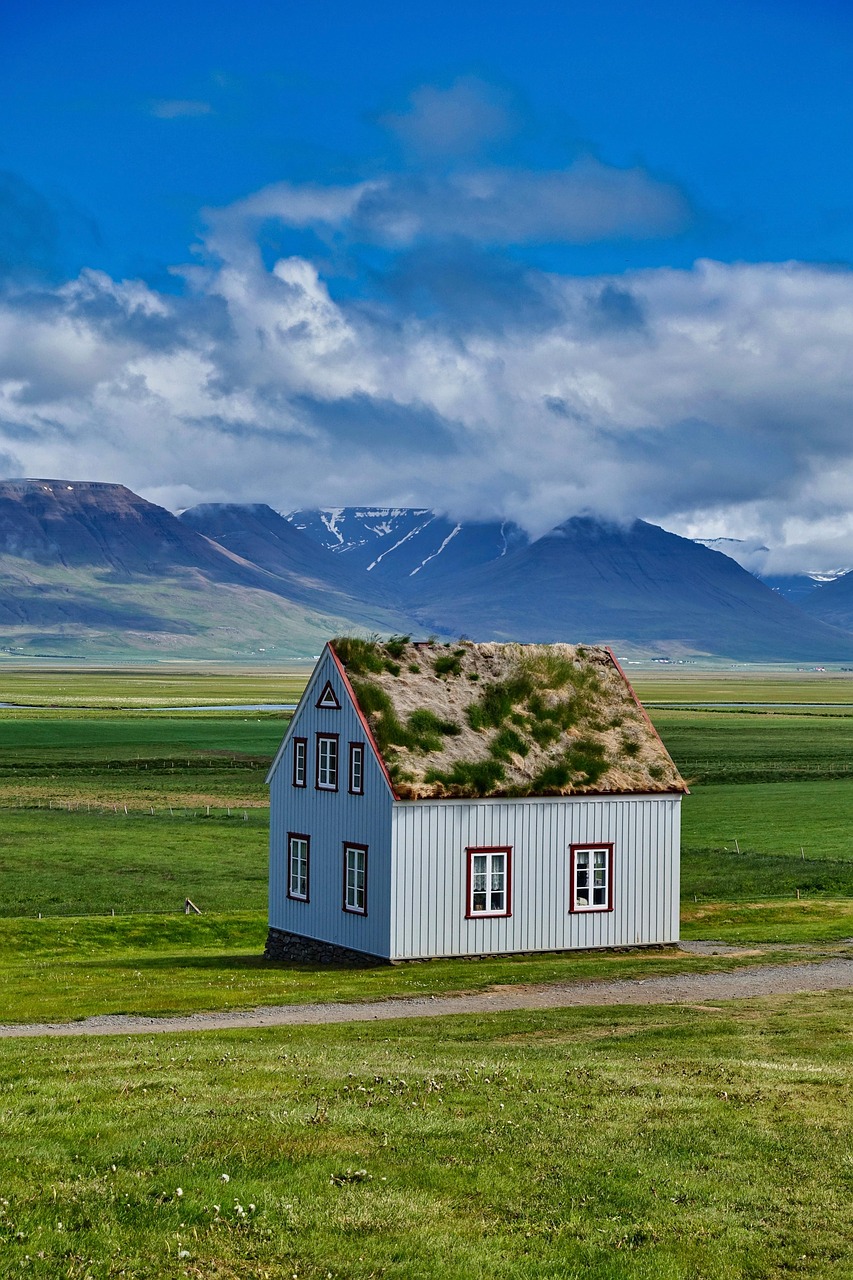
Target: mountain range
95, 570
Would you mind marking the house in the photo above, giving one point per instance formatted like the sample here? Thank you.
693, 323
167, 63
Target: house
432, 800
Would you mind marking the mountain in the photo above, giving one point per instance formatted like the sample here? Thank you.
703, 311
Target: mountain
94, 569
631, 585
306, 570
753, 555
406, 547
832, 601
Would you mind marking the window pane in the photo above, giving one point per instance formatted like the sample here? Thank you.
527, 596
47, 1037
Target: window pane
356, 879
592, 879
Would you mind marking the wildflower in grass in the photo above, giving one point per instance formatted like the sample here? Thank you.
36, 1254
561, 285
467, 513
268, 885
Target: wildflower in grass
224, 1177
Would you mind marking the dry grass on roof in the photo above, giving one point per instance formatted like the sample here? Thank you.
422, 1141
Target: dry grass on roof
473, 720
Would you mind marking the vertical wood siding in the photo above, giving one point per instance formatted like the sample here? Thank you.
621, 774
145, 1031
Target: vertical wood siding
427, 908
330, 818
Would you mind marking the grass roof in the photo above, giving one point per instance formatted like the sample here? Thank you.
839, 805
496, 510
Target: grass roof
473, 720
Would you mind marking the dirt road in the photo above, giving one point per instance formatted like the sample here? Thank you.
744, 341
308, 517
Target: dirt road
686, 988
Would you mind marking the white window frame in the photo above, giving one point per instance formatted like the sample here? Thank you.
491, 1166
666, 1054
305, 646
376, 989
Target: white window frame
355, 878
356, 771
298, 865
300, 762
328, 762
489, 862
591, 877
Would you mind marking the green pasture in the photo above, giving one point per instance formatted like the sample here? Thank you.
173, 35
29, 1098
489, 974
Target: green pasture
59, 969
751, 746
740, 685
78, 863
105, 758
617, 1144
152, 686
784, 819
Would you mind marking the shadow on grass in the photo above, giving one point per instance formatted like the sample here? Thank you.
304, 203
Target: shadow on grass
177, 961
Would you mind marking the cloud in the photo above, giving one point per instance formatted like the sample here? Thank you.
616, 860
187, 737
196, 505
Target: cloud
179, 108
460, 120
588, 201
715, 400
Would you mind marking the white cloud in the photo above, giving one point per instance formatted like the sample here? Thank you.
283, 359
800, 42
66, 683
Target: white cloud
588, 201
715, 400
459, 120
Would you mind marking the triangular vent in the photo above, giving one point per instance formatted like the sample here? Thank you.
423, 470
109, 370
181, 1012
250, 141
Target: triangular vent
328, 698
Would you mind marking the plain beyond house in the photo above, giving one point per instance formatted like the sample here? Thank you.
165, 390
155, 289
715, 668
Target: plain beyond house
432, 800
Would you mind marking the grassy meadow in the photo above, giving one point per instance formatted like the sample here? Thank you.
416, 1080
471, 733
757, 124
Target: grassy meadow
611, 1144
587, 1144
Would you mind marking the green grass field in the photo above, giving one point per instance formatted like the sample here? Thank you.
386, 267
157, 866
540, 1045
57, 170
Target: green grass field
132, 687
58, 969
618, 1144
108, 758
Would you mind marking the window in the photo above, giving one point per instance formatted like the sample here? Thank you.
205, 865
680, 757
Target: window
592, 878
300, 761
356, 768
355, 878
327, 761
489, 882
297, 866
328, 699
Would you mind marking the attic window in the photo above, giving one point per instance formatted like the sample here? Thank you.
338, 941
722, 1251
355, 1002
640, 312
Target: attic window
328, 699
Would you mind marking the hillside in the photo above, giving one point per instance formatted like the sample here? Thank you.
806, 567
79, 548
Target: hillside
93, 569
832, 602
635, 586
403, 548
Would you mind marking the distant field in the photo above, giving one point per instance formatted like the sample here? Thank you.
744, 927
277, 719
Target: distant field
106, 758
135, 687
618, 1144
70, 864
682, 686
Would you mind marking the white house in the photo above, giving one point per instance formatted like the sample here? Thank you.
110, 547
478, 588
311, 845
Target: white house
434, 800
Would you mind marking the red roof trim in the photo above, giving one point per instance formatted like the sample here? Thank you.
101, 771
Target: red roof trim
612, 656
368, 732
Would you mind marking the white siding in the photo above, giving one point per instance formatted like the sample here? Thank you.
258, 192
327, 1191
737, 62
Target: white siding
330, 818
428, 892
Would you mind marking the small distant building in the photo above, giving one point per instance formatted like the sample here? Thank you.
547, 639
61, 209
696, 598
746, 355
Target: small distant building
473, 799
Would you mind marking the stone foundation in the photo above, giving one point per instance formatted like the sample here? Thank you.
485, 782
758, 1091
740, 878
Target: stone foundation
282, 945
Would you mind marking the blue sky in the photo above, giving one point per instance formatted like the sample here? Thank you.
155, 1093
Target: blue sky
487, 220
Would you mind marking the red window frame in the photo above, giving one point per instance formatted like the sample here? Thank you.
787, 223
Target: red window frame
324, 786
291, 836
472, 852
357, 848
574, 850
353, 748
303, 743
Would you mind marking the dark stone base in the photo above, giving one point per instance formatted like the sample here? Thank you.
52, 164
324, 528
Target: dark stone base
282, 945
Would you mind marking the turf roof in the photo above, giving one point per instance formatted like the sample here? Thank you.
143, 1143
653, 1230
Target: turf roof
469, 720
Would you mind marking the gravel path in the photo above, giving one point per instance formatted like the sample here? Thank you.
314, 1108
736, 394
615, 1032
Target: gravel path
685, 988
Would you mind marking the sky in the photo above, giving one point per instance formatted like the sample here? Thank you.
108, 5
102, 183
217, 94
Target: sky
506, 260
